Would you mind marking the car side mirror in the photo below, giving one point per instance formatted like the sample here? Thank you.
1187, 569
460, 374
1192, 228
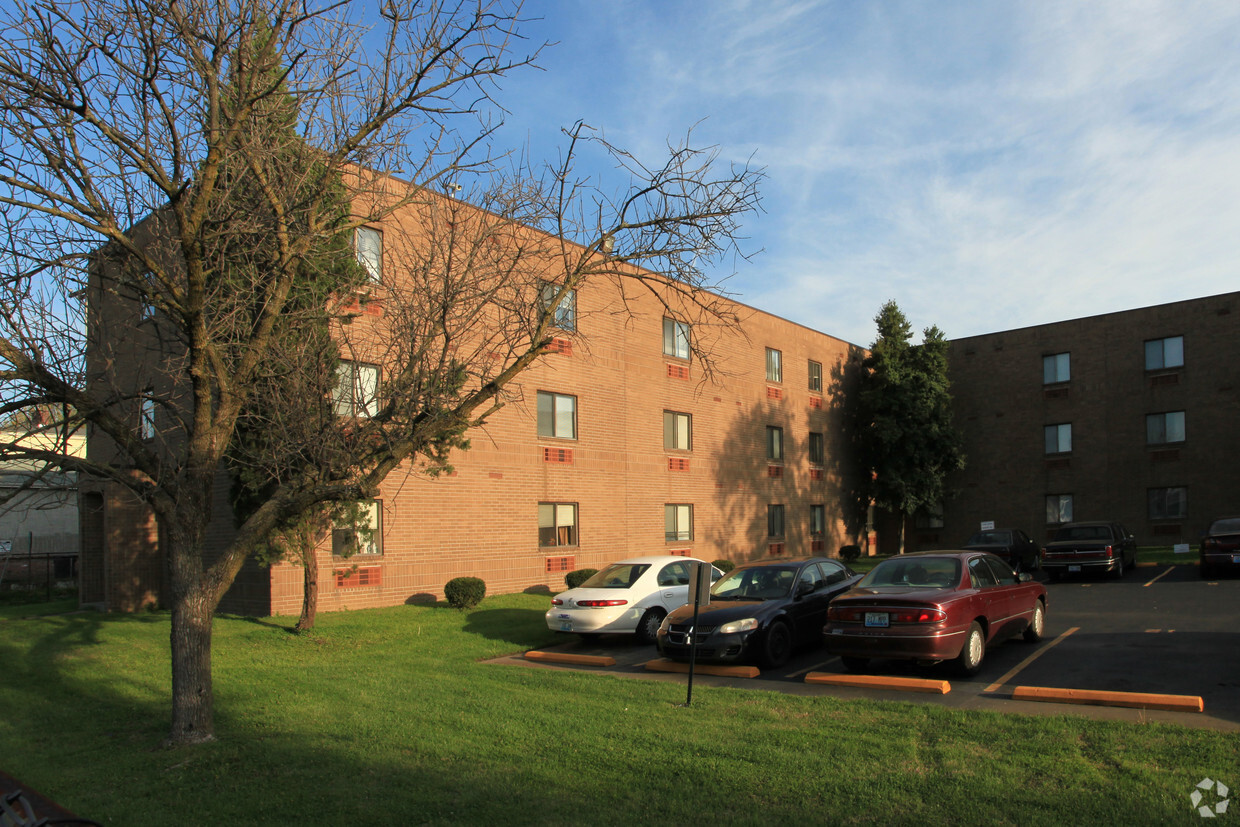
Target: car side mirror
804, 589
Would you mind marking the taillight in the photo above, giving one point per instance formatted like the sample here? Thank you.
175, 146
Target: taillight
555, 601
1209, 542
595, 604
1110, 551
918, 616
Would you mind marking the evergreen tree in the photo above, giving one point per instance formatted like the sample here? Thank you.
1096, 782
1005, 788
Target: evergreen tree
906, 442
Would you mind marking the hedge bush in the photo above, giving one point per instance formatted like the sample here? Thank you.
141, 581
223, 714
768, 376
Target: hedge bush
575, 578
464, 592
724, 566
849, 553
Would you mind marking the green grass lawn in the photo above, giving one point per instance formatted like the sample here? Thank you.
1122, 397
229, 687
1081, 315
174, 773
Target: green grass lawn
389, 717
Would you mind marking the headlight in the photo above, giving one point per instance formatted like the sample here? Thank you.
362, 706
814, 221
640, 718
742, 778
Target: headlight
746, 625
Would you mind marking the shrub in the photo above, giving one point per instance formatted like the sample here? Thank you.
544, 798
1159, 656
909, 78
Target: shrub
464, 592
724, 566
575, 578
849, 553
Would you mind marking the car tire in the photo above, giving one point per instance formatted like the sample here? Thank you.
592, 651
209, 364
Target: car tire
854, 664
648, 626
973, 652
1037, 624
776, 645
1118, 571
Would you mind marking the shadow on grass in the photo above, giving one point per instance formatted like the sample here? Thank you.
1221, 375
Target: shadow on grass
523, 627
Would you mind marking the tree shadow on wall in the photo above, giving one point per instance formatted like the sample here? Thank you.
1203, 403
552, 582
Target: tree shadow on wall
749, 480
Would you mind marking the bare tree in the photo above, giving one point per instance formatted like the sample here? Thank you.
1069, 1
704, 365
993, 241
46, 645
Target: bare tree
171, 181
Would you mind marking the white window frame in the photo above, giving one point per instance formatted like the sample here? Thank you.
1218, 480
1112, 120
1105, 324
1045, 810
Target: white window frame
774, 365
676, 338
1165, 353
774, 443
564, 314
557, 415
1056, 368
1058, 506
1165, 428
1159, 501
678, 522
815, 376
362, 382
1057, 438
677, 431
561, 519
368, 540
368, 247
817, 520
775, 526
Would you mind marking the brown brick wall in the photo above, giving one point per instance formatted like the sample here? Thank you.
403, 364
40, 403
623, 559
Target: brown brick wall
1002, 407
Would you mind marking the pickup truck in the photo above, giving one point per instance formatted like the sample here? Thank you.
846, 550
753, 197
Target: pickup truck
1080, 548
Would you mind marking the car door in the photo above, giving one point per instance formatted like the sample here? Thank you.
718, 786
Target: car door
1006, 603
809, 603
991, 601
673, 582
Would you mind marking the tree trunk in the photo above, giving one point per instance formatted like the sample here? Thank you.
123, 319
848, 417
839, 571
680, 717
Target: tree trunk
310, 589
193, 721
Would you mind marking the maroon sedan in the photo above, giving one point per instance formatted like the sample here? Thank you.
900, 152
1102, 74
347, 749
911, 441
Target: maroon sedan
934, 606
1220, 547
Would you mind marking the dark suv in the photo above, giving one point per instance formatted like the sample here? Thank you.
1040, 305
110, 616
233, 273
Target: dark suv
1011, 544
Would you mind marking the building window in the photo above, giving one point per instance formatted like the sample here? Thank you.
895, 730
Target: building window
817, 520
775, 521
1168, 503
1164, 353
1164, 428
365, 537
774, 443
557, 524
1058, 509
677, 431
368, 246
774, 365
676, 338
357, 390
816, 453
557, 415
929, 517
1056, 368
146, 417
678, 522
564, 315
1058, 438
815, 376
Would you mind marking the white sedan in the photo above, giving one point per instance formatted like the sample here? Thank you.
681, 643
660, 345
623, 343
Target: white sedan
626, 597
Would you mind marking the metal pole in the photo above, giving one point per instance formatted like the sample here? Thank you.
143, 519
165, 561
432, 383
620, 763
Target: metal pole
693, 637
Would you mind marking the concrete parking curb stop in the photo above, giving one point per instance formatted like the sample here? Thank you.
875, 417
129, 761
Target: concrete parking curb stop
1097, 697
932, 687
561, 657
666, 665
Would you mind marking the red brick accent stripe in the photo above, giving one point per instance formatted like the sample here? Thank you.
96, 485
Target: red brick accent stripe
677, 464
561, 563
558, 455
356, 578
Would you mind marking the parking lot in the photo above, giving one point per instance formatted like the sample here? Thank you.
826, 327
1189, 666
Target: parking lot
1162, 629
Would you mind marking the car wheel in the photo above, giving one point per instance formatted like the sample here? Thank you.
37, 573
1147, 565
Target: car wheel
1033, 632
648, 626
777, 647
973, 651
1118, 571
854, 664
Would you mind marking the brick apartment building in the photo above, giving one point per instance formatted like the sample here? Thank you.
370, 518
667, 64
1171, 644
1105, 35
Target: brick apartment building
1131, 416
616, 446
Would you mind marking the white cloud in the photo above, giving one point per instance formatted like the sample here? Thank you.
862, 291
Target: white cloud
985, 165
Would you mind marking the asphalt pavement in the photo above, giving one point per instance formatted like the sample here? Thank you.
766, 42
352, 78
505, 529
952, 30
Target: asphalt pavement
1160, 630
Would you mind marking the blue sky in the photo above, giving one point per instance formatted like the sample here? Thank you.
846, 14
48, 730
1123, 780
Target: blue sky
987, 165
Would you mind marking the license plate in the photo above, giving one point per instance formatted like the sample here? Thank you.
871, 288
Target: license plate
1074, 568
1235, 558
566, 625
876, 619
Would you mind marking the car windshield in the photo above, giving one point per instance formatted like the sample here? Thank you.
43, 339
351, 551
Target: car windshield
990, 538
757, 583
1084, 532
1229, 526
920, 572
617, 576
